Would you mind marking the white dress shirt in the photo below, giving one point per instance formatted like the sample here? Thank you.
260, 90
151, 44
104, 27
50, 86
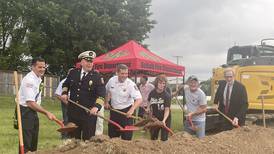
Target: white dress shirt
230, 90
58, 90
82, 73
29, 89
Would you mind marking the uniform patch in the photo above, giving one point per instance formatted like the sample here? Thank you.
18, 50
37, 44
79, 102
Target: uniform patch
29, 85
100, 100
90, 83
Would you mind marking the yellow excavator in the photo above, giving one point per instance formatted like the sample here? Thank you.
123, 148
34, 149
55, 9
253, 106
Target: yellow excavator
254, 67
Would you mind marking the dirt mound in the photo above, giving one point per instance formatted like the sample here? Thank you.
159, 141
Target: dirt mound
252, 139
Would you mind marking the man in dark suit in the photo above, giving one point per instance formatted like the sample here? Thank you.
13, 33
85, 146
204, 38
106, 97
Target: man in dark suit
87, 88
231, 97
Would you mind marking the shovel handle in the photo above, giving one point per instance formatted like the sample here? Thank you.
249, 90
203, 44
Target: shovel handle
123, 113
110, 121
230, 120
191, 123
165, 127
169, 130
60, 123
85, 108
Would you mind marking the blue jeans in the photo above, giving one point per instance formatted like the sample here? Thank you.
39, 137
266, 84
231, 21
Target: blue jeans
200, 125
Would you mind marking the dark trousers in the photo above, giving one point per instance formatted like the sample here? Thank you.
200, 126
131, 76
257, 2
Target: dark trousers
113, 131
141, 112
154, 132
30, 127
64, 107
86, 127
225, 124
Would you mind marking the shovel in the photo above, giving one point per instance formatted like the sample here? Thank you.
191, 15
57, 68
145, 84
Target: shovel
193, 127
154, 122
64, 129
127, 128
142, 122
237, 126
123, 113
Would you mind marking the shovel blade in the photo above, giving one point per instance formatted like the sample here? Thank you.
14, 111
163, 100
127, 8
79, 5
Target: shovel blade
129, 129
66, 129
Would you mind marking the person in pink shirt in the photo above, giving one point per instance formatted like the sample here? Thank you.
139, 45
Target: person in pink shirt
145, 88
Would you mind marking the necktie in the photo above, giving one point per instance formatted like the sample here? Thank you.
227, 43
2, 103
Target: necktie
84, 74
227, 98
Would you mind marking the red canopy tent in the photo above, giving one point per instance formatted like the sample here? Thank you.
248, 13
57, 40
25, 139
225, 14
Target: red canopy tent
138, 59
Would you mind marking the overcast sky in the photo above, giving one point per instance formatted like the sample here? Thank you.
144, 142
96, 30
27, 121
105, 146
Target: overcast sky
201, 31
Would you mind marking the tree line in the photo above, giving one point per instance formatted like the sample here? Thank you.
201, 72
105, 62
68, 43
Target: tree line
58, 30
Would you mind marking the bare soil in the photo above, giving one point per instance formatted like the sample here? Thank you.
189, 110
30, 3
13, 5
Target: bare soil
248, 139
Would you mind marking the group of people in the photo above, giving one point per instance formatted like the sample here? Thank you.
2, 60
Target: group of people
86, 87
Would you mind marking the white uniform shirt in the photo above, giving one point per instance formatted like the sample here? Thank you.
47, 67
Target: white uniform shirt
58, 90
122, 94
29, 89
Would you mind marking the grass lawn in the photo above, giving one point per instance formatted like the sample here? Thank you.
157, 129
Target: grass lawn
48, 136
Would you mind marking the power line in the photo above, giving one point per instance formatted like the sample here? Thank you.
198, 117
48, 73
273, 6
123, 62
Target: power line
177, 62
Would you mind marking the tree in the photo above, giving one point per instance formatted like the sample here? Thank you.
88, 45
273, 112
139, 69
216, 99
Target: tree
12, 33
58, 30
206, 87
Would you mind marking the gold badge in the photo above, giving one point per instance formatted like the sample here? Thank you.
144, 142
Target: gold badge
90, 82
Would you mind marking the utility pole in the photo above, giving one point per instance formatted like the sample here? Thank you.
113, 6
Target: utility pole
177, 62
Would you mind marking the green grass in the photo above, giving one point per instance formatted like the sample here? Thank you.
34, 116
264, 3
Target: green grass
48, 136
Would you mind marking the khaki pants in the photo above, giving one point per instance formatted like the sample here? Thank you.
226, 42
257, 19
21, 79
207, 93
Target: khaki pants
100, 123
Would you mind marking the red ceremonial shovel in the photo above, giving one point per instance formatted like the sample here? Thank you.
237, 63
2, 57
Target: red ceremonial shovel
127, 128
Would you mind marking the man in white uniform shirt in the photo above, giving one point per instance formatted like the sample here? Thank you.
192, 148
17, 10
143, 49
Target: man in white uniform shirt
124, 96
30, 100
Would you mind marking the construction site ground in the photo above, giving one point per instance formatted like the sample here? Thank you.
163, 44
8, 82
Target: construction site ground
247, 139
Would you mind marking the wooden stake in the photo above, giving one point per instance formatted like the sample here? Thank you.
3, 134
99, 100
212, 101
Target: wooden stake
45, 86
20, 132
262, 101
50, 85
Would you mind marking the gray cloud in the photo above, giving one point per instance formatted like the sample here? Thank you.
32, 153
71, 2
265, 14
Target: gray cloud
202, 31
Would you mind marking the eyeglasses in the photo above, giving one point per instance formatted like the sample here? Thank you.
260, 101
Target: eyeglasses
228, 76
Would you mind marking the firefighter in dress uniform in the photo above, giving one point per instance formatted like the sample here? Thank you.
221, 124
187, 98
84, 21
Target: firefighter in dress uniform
87, 88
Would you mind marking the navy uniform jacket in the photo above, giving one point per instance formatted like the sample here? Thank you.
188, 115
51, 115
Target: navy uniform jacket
84, 92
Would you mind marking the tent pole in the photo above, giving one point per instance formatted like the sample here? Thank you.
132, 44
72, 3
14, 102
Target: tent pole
135, 77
